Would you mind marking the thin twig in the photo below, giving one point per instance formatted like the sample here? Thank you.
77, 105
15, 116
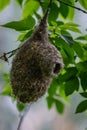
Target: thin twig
72, 6
23, 116
4, 56
79, 9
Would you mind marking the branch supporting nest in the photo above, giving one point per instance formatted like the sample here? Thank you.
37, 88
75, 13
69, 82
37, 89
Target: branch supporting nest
4, 56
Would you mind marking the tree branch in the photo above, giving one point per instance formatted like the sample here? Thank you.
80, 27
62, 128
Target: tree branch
4, 56
23, 116
72, 6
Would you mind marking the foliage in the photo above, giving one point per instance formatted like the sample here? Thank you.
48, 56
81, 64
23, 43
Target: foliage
4, 4
73, 78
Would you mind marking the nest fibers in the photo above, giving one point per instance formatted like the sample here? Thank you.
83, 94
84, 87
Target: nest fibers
34, 66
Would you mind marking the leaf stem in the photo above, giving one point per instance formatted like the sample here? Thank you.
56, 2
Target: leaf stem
72, 6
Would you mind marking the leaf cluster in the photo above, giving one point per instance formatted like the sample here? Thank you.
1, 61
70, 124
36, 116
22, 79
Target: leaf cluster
73, 78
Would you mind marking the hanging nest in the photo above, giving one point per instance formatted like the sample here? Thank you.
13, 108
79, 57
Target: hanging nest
34, 65
33, 68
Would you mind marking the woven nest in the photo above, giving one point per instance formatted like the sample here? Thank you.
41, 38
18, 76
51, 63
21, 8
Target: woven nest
33, 67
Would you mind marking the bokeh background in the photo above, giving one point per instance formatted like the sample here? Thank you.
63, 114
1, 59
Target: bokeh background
38, 117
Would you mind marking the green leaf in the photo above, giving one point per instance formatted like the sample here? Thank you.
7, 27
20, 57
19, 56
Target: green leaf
57, 23
54, 11
71, 24
66, 60
44, 6
6, 77
84, 94
82, 66
7, 90
82, 38
71, 86
67, 12
25, 24
4, 4
74, 29
19, 2
85, 49
50, 101
69, 52
78, 49
25, 35
30, 7
61, 93
81, 107
70, 72
64, 10
83, 78
38, 16
71, 11
67, 37
70, 27
20, 106
59, 106
83, 3
53, 87
66, 50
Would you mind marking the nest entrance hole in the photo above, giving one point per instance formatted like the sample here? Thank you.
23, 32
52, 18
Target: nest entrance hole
57, 68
